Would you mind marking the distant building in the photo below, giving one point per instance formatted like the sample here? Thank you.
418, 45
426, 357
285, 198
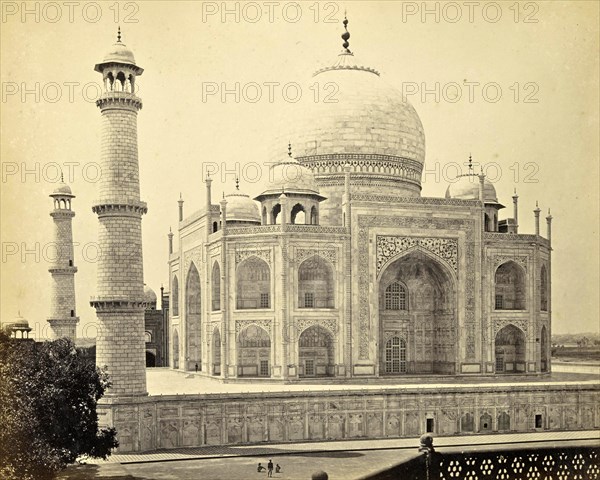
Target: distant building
155, 331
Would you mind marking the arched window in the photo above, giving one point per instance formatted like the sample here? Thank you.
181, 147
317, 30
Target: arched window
216, 352
298, 215
175, 349
147, 337
486, 222
510, 350
395, 355
544, 350
175, 297
253, 284
543, 289
215, 227
216, 287
264, 215
316, 352
315, 284
503, 422
121, 79
275, 218
314, 219
396, 297
192, 296
254, 352
510, 287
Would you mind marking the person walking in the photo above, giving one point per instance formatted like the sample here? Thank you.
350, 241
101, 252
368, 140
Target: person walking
270, 468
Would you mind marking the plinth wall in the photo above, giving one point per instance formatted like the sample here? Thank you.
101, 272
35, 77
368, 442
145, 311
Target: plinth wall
175, 421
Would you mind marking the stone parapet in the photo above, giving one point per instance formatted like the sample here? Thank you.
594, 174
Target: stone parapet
175, 421
491, 237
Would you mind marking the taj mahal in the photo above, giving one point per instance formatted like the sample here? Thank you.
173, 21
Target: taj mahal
339, 275
341, 269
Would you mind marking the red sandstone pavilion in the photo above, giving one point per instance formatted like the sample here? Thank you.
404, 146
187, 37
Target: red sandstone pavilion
418, 314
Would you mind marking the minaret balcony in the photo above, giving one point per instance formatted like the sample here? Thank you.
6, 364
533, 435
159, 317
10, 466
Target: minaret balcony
62, 213
133, 209
117, 303
119, 100
62, 270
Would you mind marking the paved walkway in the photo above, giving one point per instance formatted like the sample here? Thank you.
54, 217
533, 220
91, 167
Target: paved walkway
164, 381
470, 441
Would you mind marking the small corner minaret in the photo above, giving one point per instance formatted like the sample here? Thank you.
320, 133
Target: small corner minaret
180, 202
63, 320
170, 235
515, 200
119, 300
549, 227
536, 213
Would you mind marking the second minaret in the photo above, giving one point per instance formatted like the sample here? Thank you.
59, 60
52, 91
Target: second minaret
63, 320
120, 289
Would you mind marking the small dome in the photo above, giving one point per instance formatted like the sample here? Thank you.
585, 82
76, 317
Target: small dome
18, 328
241, 208
149, 297
19, 322
466, 187
62, 189
119, 53
290, 176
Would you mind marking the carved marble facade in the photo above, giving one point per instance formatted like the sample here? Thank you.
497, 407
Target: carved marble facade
198, 420
434, 251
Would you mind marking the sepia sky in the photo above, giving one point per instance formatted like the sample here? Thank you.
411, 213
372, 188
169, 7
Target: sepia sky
513, 83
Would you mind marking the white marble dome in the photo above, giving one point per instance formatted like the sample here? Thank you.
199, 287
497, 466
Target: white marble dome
362, 115
466, 187
242, 208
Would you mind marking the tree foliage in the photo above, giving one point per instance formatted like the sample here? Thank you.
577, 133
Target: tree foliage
48, 397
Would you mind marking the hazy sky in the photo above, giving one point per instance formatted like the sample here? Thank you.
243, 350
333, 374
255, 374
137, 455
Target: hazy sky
530, 68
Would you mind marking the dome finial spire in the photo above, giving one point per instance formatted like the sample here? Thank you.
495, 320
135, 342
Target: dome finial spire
470, 163
290, 149
119, 34
237, 183
346, 35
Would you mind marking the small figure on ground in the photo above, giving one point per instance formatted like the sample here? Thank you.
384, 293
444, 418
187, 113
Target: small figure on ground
196, 368
277, 468
270, 467
260, 468
426, 443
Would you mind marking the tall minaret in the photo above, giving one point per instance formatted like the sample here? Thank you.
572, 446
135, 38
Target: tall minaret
120, 296
62, 319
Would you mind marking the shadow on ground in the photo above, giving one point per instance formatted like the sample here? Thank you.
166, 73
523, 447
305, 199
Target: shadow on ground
85, 472
225, 451
326, 454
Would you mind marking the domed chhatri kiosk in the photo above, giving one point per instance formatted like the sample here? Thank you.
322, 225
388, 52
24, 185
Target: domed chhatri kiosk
341, 269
